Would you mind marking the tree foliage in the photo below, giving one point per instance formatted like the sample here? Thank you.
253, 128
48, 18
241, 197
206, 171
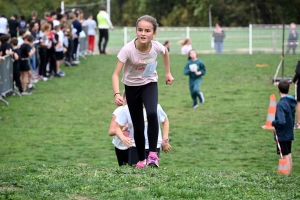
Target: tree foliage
175, 12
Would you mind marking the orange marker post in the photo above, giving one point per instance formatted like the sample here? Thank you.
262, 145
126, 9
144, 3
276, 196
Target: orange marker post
271, 113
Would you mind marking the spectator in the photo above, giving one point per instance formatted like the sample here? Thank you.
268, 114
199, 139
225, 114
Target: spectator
34, 19
104, 24
3, 25
219, 36
293, 39
167, 44
43, 47
22, 23
16, 64
186, 46
13, 25
59, 54
77, 28
92, 26
5, 48
20, 37
26, 51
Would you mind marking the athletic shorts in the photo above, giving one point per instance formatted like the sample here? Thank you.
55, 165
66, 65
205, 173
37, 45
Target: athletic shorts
24, 66
59, 55
286, 148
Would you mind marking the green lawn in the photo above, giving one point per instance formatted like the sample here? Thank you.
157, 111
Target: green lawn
64, 126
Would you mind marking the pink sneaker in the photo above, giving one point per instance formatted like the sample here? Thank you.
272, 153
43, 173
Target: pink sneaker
152, 159
140, 165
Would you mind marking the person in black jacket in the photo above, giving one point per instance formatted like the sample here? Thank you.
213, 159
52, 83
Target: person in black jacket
296, 80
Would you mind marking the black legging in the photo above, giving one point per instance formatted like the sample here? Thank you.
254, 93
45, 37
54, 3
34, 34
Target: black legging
43, 61
136, 96
103, 34
16, 76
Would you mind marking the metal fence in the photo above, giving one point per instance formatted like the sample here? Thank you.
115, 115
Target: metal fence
254, 39
6, 77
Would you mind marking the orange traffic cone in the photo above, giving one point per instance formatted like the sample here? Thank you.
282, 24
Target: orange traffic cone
283, 167
271, 113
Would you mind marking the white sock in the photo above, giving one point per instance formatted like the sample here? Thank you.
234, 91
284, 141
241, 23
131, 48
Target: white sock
30, 85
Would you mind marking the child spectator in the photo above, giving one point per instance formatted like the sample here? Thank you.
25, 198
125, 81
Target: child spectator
26, 51
59, 54
22, 23
284, 122
44, 45
21, 36
16, 64
186, 46
77, 28
124, 118
5, 48
167, 44
120, 149
13, 25
34, 19
195, 69
92, 26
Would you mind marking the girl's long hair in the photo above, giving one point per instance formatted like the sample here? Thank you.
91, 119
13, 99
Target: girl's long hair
189, 57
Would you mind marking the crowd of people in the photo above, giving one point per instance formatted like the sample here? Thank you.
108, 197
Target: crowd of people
40, 46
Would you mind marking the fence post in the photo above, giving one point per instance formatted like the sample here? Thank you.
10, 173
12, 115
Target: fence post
274, 41
250, 39
187, 32
125, 35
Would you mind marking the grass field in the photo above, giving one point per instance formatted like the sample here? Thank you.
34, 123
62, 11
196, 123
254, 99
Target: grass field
55, 142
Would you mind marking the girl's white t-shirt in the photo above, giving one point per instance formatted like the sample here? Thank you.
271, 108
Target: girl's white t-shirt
185, 49
136, 62
116, 140
124, 118
60, 40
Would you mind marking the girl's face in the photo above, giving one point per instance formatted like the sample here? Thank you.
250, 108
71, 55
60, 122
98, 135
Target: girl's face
36, 26
145, 31
193, 54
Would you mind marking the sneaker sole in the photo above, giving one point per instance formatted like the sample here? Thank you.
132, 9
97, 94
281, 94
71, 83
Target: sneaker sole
202, 98
153, 165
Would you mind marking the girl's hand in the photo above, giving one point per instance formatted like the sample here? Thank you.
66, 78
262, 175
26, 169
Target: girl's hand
119, 100
169, 79
127, 141
166, 147
198, 73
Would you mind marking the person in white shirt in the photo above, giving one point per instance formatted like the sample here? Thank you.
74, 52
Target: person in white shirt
124, 118
104, 24
3, 25
120, 149
186, 46
92, 26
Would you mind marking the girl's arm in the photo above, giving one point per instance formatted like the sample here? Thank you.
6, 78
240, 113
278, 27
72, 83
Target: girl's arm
126, 140
187, 70
169, 77
166, 147
31, 52
115, 83
112, 127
